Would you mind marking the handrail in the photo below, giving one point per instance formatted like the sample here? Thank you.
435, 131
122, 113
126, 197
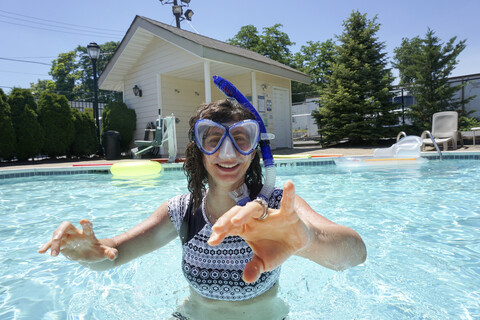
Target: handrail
401, 133
426, 132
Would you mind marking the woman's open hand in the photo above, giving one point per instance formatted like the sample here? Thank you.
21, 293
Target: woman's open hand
78, 245
273, 240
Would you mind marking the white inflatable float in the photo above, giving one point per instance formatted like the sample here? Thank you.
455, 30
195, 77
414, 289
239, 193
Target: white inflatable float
404, 152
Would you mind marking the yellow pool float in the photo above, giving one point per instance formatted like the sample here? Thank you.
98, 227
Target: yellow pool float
136, 168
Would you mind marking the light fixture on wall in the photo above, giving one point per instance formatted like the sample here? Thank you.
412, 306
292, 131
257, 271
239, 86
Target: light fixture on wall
137, 91
196, 93
264, 86
176, 91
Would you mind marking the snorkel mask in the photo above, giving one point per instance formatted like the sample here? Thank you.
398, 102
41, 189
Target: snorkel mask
210, 136
241, 195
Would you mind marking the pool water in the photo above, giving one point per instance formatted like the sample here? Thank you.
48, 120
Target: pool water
421, 226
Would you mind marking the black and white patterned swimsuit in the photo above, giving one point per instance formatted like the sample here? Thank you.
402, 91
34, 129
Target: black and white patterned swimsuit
216, 272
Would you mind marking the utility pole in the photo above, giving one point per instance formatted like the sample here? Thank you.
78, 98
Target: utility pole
177, 10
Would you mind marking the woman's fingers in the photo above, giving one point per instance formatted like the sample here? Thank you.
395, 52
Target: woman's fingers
64, 229
251, 209
288, 198
111, 253
253, 269
87, 228
45, 247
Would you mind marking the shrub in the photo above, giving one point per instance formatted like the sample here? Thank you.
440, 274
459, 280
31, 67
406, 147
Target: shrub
467, 123
56, 119
85, 142
29, 134
8, 141
118, 117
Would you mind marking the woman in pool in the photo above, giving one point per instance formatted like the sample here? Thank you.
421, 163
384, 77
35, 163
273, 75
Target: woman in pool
233, 266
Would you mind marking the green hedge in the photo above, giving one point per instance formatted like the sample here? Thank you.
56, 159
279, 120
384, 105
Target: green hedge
8, 141
118, 117
56, 119
29, 134
85, 142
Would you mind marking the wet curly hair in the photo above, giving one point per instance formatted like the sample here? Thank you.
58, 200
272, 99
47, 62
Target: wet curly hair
218, 111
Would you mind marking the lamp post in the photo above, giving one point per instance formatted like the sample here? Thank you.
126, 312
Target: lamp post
93, 50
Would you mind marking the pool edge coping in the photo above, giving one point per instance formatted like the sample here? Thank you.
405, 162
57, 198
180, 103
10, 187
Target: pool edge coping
71, 169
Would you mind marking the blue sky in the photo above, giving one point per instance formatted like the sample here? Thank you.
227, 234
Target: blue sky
38, 31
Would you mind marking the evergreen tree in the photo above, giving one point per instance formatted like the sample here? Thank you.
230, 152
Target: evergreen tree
85, 142
356, 103
55, 116
428, 68
8, 141
29, 133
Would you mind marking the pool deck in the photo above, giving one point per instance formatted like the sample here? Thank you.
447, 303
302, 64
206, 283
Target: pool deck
298, 150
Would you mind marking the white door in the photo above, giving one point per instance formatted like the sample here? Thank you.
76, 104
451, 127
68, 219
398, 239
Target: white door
282, 116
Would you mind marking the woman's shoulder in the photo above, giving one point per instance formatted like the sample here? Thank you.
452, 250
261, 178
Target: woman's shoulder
177, 206
181, 198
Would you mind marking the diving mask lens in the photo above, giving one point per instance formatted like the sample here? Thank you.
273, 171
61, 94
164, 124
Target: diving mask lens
209, 135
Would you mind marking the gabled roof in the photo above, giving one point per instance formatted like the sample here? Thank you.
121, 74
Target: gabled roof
143, 29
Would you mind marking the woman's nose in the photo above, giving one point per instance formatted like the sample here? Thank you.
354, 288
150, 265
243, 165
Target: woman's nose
227, 150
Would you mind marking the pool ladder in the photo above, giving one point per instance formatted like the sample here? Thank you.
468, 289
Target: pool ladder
426, 132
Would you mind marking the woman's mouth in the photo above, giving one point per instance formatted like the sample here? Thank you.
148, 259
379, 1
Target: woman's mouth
227, 166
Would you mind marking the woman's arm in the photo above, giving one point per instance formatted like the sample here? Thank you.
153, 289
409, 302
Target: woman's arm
294, 229
332, 245
82, 245
153, 233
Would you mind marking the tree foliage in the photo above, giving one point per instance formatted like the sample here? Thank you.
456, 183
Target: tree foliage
64, 72
118, 117
72, 74
272, 43
84, 88
8, 141
315, 59
403, 59
425, 65
85, 142
29, 133
247, 38
355, 103
42, 86
55, 116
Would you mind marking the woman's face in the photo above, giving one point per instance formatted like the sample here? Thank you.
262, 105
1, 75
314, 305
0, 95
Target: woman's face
227, 167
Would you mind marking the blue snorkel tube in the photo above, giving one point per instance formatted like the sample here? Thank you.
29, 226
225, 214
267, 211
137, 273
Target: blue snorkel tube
241, 196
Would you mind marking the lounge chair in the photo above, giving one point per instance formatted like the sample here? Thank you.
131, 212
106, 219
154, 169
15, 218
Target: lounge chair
444, 130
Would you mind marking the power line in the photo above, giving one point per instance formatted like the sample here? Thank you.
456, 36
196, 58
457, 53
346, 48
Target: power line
27, 61
52, 25
58, 22
77, 33
32, 57
35, 74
